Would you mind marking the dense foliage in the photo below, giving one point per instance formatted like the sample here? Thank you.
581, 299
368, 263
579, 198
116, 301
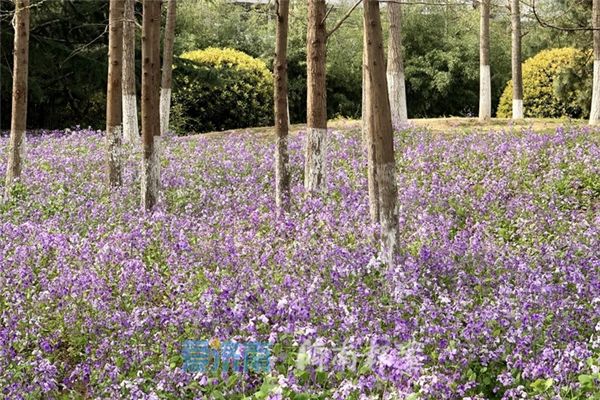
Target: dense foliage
67, 63
68, 54
441, 50
242, 97
541, 84
495, 293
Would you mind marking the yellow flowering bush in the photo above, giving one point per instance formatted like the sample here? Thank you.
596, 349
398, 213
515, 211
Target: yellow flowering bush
541, 80
240, 96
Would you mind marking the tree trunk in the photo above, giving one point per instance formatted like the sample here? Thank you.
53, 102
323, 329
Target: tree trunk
18, 124
315, 169
595, 111
167, 68
395, 65
114, 106
379, 122
368, 142
485, 80
131, 130
517, 75
365, 138
150, 103
282, 178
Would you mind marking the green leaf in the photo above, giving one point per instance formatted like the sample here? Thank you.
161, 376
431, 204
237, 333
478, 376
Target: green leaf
217, 394
548, 383
537, 383
321, 377
174, 361
585, 379
364, 369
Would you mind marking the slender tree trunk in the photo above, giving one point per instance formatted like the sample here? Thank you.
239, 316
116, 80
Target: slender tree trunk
485, 79
114, 106
517, 75
150, 103
315, 169
379, 120
365, 139
18, 124
282, 178
595, 111
131, 130
395, 65
167, 68
368, 140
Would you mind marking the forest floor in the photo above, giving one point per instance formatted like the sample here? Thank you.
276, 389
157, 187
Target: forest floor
438, 125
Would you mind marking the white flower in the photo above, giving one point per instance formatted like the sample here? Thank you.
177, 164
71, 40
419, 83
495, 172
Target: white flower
282, 303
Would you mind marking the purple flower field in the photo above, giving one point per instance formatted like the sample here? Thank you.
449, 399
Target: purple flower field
496, 292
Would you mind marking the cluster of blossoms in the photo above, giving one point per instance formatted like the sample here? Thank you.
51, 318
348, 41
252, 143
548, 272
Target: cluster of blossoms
496, 286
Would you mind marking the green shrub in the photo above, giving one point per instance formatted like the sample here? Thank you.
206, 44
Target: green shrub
241, 95
545, 92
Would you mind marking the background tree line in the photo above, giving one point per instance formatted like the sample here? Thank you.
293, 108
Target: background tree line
69, 39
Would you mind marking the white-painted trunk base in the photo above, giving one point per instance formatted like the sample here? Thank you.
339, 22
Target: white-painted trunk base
16, 158
115, 155
113, 135
150, 185
517, 109
131, 129
18, 141
165, 109
388, 215
595, 110
485, 93
397, 93
315, 170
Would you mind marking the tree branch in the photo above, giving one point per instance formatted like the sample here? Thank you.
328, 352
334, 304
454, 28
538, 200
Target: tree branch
344, 18
560, 28
327, 15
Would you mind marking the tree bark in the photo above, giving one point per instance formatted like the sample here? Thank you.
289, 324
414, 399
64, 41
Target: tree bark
485, 80
395, 65
131, 129
167, 68
595, 110
315, 169
282, 178
114, 106
16, 147
517, 74
365, 142
150, 185
379, 122
368, 142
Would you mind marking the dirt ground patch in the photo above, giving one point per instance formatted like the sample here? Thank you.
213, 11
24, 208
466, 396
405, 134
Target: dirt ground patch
438, 125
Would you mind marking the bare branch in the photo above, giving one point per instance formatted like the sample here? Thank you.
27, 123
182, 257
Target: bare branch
344, 18
548, 25
327, 15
